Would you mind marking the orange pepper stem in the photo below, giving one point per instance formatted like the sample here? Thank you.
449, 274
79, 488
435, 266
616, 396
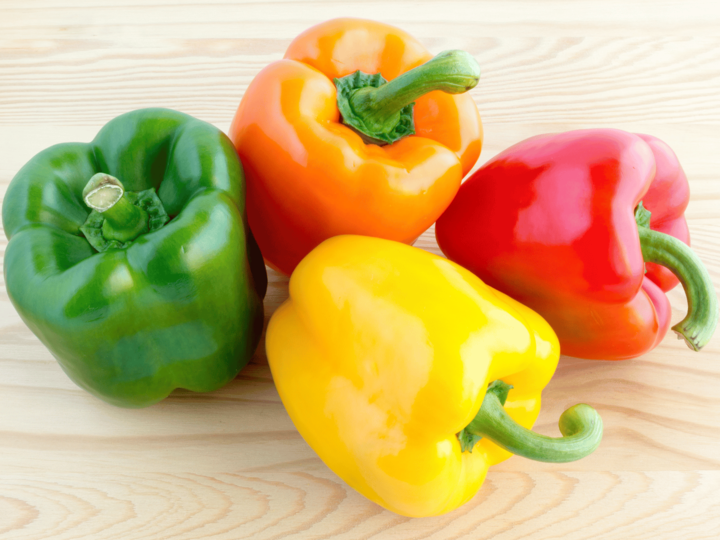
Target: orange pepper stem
701, 320
580, 425
381, 111
123, 220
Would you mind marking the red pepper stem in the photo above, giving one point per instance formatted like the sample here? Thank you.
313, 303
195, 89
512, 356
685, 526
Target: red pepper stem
701, 320
123, 220
580, 425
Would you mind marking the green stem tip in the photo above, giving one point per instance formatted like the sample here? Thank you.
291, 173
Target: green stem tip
701, 320
381, 111
123, 220
580, 425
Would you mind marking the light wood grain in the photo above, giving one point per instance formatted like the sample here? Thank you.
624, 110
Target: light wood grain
230, 464
314, 504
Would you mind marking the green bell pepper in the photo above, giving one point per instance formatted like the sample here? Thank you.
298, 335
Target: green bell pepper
157, 288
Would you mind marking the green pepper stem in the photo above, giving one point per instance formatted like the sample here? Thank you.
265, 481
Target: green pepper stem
701, 320
123, 220
580, 425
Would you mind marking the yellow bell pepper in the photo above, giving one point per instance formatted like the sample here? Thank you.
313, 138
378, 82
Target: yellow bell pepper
394, 364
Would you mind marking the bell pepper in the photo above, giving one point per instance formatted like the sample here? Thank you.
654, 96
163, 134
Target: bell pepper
331, 147
410, 377
142, 291
586, 228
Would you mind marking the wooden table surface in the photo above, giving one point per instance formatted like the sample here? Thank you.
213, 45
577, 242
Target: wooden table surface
230, 465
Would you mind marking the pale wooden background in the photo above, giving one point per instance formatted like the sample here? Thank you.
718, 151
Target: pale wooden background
230, 465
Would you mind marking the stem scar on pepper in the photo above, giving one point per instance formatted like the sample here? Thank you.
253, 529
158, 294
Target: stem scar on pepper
580, 425
699, 324
104, 192
381, 112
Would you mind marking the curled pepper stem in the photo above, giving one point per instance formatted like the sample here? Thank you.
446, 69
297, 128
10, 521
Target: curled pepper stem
580, 425
381, 112
699, 324
123, 220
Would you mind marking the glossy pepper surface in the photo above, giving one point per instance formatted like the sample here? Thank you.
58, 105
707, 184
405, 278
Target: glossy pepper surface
382, 356
311, 176
174, 297
557, 223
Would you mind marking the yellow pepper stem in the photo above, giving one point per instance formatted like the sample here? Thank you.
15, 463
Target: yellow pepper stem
580, 425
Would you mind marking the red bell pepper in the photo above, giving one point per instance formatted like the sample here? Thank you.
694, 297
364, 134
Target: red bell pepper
560, 223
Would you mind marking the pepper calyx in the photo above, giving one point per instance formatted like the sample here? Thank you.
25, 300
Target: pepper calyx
399, 125
642, 216
381, 112
118, 217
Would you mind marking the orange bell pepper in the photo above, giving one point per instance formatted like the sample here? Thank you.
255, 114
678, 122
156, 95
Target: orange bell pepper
310, 176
